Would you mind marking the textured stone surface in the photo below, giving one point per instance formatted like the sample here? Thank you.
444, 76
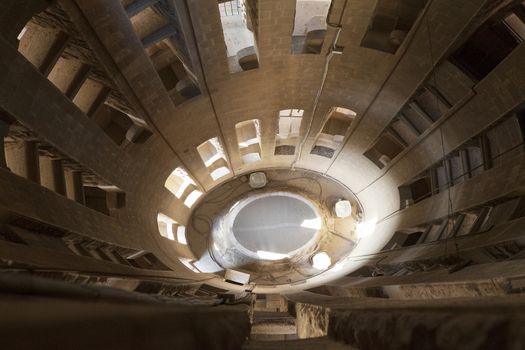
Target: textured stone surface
112, 326
427, 330
374, 84
303, 344
312, 320
458, 323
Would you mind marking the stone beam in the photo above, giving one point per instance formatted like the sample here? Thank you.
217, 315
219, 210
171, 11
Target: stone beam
138, 6
120, 51
18, 197
159, 35
51, 259
35, 102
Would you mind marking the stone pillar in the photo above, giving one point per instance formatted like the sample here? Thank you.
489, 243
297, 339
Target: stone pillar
74, 186
4, 130
115, 200
52, 174
22, 159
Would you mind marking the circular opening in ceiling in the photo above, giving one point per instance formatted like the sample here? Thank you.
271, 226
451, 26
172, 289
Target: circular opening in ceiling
274, 225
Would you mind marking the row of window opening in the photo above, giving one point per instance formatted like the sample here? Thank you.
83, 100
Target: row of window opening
475, 220
492, 147
26, 155
452, 80
249, 143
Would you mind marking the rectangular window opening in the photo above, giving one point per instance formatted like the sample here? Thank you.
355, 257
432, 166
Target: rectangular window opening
386, 148
171, 229
289, 127
239, 27
192, 198
333, 133
391, 23
490, 44
166, 226
415, 191
249, 140
309, 26
405, 238
183, 187
497, 144
214, 158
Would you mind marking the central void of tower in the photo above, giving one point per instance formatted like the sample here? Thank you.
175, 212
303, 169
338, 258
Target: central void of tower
275, 223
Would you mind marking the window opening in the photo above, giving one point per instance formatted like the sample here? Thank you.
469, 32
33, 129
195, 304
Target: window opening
391, 23
239, 34
249, 140
489, 45
171, 229
214, 158
183, 187
333, 132
309, 26
288, 131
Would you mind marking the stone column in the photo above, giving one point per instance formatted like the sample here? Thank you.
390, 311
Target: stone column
4, 130
52, 174
22, 158
74, 186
